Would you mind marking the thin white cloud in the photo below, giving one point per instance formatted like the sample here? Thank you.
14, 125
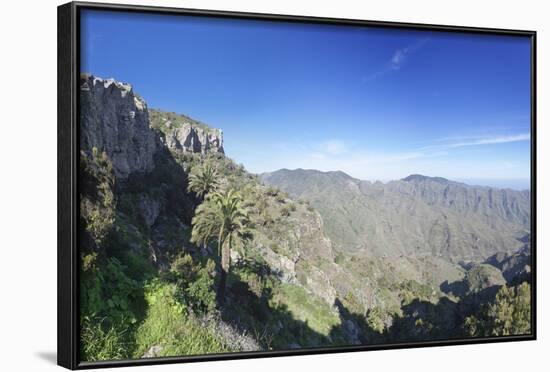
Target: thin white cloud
333, 147
397, 60
465, 141
492, 140
398, 57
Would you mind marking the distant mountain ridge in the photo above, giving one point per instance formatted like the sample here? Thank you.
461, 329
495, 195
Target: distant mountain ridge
415, 216
419, 177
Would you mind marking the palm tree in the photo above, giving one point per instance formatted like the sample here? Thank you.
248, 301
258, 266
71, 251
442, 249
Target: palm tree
203, 179
221, 217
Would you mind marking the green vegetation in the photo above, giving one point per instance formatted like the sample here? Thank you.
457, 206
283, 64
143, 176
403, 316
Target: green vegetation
375, 319
483, 276
164, 121
203, 179
98, 205
508, 314
169, 324
411, 290
221, 217
102, 342
308, 308
107, 301
199, 256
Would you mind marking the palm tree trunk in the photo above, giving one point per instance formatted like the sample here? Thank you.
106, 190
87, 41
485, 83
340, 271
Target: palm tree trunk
223, 272
226, 262
221, 289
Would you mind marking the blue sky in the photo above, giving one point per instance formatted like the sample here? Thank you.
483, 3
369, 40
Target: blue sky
378, 104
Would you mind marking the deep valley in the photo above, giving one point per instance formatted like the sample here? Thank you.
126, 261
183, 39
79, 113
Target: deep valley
185, 252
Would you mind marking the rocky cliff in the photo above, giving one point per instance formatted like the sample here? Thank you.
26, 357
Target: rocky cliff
180, 133
114, 119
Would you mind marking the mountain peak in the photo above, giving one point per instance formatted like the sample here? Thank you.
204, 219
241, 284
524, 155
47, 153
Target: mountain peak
421, 178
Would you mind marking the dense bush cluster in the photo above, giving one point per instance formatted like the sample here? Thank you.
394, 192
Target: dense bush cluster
508, 314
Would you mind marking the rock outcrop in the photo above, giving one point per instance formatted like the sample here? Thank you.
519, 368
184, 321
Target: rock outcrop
115, 120
180, 133
188, 138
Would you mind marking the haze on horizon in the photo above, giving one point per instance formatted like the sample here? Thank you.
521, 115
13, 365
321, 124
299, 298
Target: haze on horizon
377, 104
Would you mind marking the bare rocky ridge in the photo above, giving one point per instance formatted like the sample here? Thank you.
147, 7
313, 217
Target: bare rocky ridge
505, 204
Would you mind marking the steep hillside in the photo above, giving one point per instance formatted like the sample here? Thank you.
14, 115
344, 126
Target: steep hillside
136, 226
184, 252
418, 216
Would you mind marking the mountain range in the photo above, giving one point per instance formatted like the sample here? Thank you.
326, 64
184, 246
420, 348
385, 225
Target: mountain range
325, 259
415, 216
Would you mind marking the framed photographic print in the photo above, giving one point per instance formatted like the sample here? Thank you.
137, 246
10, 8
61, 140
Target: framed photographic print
236, 185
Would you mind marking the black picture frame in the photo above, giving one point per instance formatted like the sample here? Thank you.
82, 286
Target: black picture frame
68, 203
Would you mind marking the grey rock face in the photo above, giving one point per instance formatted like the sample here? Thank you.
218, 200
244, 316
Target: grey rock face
149, 208
189, 138
115, 120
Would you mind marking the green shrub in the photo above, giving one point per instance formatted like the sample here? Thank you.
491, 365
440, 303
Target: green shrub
169, 325
200, 291
196, 283
508, 314
97, 201
101, 341
106, 291
409, 290
183, 266
163, 314
375, 319
352, 303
